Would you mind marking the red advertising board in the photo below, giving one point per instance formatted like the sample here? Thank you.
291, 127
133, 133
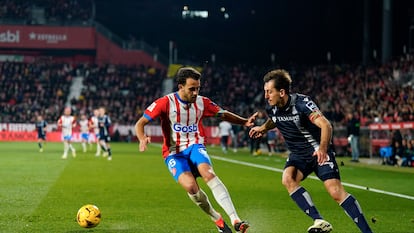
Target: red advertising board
32, 136
390, 126
45, 37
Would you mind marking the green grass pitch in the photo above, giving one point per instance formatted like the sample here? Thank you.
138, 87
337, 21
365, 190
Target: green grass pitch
40, 192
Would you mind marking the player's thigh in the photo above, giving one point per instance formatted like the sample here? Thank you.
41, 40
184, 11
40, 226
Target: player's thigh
201, 160
178, 165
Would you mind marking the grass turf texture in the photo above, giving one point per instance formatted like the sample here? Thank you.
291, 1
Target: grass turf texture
40, 192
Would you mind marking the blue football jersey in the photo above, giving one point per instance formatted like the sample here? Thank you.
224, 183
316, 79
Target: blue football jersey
302, 137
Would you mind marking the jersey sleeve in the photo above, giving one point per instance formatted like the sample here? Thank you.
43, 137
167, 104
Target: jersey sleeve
210, 108
156, 108
309, 108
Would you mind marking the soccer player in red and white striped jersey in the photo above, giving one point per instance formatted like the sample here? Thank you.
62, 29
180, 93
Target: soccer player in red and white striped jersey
184, 150
67, 122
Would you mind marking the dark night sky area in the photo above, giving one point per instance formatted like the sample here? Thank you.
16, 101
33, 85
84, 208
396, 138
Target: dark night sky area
298, 31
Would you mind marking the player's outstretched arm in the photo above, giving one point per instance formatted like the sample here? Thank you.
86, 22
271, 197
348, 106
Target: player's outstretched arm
139, 131
236, 119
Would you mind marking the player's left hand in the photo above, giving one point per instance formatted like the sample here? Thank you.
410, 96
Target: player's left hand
143, 143
322, 156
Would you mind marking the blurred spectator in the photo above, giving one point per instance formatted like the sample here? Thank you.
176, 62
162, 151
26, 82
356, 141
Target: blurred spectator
225, 132
353, 131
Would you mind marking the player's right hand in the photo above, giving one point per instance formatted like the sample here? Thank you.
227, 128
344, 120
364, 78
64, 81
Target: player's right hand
255, 132
143, 143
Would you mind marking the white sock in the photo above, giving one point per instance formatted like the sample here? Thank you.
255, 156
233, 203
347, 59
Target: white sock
222, 197
65, 148
71, 147
201, 199
84, 146
98, 149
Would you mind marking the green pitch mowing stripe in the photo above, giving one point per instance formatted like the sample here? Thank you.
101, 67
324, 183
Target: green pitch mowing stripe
40, 192
25, 179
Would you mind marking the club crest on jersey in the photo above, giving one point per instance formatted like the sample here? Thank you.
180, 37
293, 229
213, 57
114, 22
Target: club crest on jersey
312, 106
177, 127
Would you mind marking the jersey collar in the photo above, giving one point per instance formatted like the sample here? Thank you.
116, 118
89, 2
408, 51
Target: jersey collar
179, 98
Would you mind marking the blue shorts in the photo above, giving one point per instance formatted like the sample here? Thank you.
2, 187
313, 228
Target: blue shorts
85, 136
67, 137
187, 161
41, 136
328, 170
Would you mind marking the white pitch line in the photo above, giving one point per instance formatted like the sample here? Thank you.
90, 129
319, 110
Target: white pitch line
314, 177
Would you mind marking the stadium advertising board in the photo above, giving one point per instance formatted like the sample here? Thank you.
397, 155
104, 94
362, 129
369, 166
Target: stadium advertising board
41, 37
391, 126
27, 132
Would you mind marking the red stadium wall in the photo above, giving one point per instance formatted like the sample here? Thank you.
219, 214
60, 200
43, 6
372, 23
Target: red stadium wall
32, 136
68, 44
46, 37
26, 132
109, 52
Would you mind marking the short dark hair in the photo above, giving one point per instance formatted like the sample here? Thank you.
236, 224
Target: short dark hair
186, 72
281, 79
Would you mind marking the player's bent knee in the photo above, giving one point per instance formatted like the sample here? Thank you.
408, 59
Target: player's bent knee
208, 176
337, 193
288, 181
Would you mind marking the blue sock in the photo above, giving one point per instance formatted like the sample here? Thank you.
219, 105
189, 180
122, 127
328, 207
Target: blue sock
354, 211
304, 201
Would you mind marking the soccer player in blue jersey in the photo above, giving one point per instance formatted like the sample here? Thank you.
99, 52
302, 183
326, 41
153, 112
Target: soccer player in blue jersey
308, 135
104, 122
41, 131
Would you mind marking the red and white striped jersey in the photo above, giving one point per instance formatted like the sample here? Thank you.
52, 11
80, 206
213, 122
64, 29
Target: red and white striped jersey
66, 122
84, 126
93, 121
181, 122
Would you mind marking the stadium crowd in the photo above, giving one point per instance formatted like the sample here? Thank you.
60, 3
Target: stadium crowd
125, 91
29, 89
55, 11
378, 93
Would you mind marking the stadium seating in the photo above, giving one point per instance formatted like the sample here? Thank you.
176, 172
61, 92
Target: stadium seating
52, 11
33, 88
